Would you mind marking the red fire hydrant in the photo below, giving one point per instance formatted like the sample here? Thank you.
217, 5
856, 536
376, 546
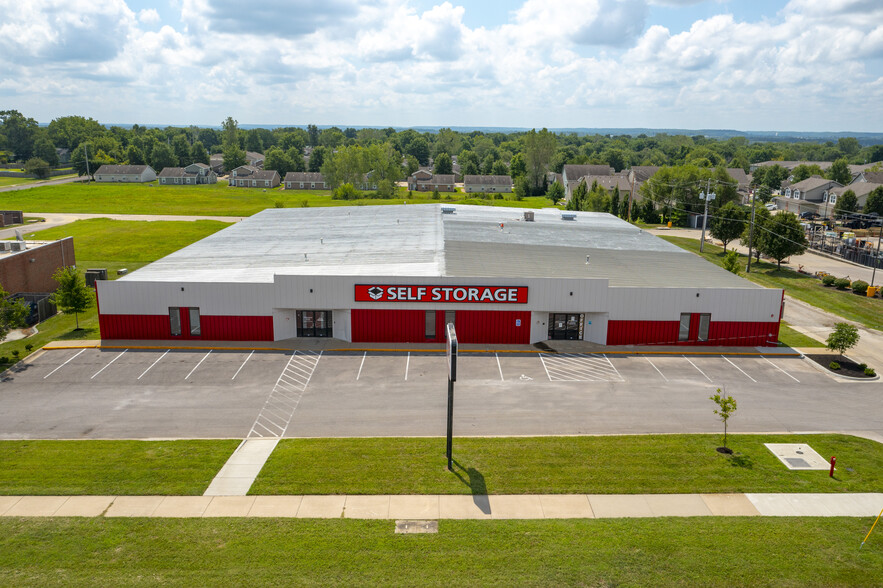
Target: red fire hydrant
833, 461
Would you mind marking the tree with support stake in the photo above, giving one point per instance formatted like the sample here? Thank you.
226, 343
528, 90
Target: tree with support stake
72, 295
451, 338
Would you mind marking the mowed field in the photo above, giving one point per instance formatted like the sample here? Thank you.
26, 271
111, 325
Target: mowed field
212, 200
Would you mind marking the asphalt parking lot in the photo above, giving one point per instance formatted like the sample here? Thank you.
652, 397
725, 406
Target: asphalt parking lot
116, 393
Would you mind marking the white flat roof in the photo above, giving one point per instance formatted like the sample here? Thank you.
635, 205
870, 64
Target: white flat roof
421, 240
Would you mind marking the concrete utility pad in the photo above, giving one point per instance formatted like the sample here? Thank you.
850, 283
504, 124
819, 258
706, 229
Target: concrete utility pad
798, 456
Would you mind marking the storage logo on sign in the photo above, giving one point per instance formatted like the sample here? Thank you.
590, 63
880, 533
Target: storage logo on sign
462, 294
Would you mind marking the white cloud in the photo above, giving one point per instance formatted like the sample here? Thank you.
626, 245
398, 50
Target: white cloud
148, 16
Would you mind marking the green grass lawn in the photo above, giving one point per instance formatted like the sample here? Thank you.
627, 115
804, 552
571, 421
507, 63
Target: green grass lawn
210, 200
725, 552
861, 309
791, 338
113, 245
58, 468
654, 464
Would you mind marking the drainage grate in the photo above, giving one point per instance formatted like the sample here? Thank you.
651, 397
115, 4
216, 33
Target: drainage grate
797, 463
798, 456
408, 527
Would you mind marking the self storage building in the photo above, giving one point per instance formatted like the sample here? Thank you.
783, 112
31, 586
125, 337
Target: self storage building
400, 273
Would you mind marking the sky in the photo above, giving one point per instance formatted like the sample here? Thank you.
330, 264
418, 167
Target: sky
785, 65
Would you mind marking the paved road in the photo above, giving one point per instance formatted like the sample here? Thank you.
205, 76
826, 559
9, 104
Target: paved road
96, 393
39, 184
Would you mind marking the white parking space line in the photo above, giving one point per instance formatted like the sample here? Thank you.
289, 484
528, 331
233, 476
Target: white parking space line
358, 375
499, 367
544, 366
278, 410
697, 368
108, 363
780, 369
740, 369
187, 377
407, 366
64, 364
614, 367
154, 363
570, 367
243, 365
656, 368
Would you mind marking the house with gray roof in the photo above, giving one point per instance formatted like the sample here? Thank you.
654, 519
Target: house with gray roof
136, 174
487, 183
305, 181
193, 174
571, 175
246, 176
424, 181
609, 183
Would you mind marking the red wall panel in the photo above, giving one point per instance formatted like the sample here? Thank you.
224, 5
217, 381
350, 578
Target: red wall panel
736, 334
482, 326
389, 326
214, 328
409, 326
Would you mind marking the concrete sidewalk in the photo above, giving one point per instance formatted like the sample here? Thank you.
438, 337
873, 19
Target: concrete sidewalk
434, 507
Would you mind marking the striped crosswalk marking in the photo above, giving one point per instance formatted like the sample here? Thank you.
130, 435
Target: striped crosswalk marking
277, 412
580, 367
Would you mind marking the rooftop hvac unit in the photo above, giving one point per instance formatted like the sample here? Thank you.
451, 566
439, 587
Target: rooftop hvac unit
568, 216
17, 246
528, 215
101, 271
93, 275
448, 210
5, 245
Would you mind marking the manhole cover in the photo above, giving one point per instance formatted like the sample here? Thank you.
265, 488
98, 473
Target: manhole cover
407, 527
798, 456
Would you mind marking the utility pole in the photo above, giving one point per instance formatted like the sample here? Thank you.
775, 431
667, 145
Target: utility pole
86, 153
707, 195
751, 232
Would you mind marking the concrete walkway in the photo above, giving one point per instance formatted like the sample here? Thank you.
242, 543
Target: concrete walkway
434, 507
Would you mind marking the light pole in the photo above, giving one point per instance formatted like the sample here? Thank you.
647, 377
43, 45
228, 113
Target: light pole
751, 231
709, 195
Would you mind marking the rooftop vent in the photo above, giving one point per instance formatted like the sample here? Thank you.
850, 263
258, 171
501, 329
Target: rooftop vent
448, 210
17, 246
569, 216
528, 215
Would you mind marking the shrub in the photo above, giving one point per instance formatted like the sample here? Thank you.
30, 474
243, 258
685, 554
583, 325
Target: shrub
4, 359
834, 365
863, 366
279, 204
842, 283
860, 287
828, 280
29, 347
870, 372
304, 203
498, 196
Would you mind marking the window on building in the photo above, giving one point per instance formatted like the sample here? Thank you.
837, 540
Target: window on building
254, 183
430, 324
704, 322
175, 321
194, 322
833, 199
684, 330
566, 326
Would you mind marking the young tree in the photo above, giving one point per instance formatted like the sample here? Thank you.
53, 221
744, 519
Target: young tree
12, 314
728, 223
442, 164
555, 192
37, 168
843, 337
72, 295
731, 262
726, 406
783, 237
848, 202
875, 201
614, 201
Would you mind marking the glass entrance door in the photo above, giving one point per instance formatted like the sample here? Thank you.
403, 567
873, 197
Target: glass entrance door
314, 323
566, 326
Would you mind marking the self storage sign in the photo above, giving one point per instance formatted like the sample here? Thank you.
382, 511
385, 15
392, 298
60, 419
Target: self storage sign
466, 294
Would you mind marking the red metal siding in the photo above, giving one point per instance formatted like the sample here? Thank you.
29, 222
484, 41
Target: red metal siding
236, 328
736, 334
214, 328
483, 326
409, 326
389, 326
